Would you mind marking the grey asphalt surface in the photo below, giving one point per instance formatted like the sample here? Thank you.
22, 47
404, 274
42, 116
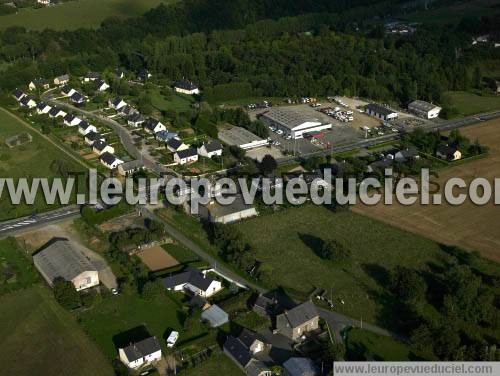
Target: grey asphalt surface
20, 225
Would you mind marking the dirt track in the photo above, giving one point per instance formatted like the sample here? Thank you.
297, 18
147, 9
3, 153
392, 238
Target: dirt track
468, 226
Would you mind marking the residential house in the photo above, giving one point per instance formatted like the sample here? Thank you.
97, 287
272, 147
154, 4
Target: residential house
298, 321
448, 153
253, 341
381, 112
187, 156
61, 80
92, 137
143, 75
43, 108
210, 149
194, 282
241, 355
27, 101
165, 136
264, 305
237, 211
43, 2
135, 120
140, 353
425, 110
175, 145
62, 259
110, 161
119, 73
127, 110
380, 165
406, 155
85, 128
153, 126
57, 112
18, 94
116, 103
91, 77
77, 99
186, 87
67, 91
71, 120
128, 168
101, 85
39, 84
100, 147
214, 316
300, 367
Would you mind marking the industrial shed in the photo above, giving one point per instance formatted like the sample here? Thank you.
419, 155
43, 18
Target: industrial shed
292, 122
61, 260
238, 210
423, 109
242, 138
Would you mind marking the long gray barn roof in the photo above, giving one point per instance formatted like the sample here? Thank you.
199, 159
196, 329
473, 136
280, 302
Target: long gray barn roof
61, 259
288, 117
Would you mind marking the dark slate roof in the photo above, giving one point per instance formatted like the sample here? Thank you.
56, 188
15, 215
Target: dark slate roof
409, 152
141, 349
26, 99
107, 158
185, 84
83, 125
255, 367
190, 152
77, 97
151, 123
193, 277
379, 109
115, 101
299, 366
174, 143
300, 314
446, 150
65, 89
54, 111
212, 146
237, 350
69, 117
135, 117
93, 136
99, 83
40, 81
248, 337
17, 93
99, 145
93, 75
40, 106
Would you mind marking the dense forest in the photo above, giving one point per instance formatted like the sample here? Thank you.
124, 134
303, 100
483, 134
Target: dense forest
263, 48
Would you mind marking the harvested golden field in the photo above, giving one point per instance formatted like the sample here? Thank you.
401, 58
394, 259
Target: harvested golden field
471, 227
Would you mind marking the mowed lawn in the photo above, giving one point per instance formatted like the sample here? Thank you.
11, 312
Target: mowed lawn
31, 160
469, 104
125, 317
288, 242
40, 337
78, 14
217, 364
364, 345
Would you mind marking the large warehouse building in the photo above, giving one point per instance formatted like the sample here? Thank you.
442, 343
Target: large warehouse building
62, 260
381, 112
292, 122
241, 137
423, 109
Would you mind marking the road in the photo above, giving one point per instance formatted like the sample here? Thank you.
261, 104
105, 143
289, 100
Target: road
123, 133
20, 225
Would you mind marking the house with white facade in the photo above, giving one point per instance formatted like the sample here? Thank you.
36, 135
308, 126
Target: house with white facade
210, 149
186, 87
189, 155
100, 147
194, 281
110, 161
85, 128
140, 353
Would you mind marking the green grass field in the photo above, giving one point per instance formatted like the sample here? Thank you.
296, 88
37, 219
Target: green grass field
217, 364
77, 14
15, 270
176, 102
27, 161
40, 337
469, 104
287, 242
107, 322
363, 345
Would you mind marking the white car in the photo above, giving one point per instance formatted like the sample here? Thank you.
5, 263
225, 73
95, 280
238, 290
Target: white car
172, 338
279, 131
114, 291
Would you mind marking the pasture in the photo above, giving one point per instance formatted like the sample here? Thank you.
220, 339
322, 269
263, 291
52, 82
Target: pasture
77, 14
288, 242
16, 271
38, 159
470, 104
469, 226
362, 345
37, 334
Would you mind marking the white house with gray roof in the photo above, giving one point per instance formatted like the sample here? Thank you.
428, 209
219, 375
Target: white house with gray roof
62, 260
140, 353
210, 149
424, 109
194, 281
